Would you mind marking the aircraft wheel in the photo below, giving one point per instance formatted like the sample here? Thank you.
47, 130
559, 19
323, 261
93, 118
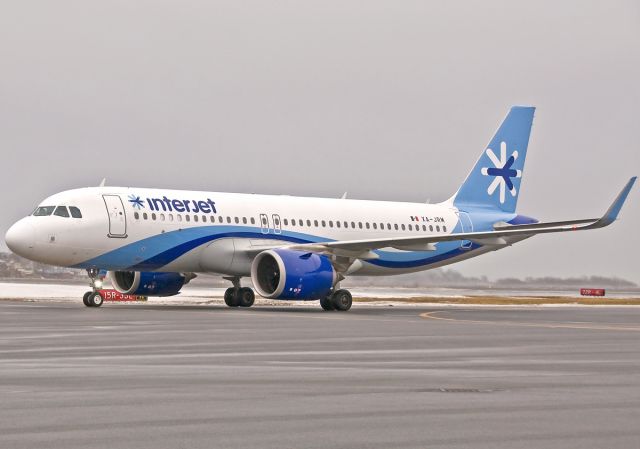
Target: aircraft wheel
341, 300
245, 297
85, 299
95, 299
230, 297
326, 303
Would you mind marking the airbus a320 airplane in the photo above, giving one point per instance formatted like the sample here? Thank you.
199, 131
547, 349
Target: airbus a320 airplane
153, 241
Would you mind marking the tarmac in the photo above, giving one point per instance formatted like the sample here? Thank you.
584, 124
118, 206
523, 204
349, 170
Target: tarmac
193, 376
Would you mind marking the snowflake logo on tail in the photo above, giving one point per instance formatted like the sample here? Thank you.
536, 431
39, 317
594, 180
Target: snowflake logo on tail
502, 172
136, 202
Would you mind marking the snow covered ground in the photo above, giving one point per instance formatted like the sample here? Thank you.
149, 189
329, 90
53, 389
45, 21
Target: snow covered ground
197, 294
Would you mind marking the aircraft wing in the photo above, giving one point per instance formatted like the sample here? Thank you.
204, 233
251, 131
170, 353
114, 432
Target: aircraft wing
362, 249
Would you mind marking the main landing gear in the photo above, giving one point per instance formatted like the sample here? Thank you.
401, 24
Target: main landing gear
93, 298
340, 300
237, 296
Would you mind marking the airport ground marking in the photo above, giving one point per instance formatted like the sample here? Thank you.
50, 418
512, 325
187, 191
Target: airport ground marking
432, 316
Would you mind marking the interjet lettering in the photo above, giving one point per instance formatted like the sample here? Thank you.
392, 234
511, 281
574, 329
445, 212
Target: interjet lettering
168, 205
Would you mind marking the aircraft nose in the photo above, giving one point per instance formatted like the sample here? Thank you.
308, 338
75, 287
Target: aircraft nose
20, 238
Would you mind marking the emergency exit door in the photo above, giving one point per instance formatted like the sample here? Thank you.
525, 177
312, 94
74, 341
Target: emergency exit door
117, 217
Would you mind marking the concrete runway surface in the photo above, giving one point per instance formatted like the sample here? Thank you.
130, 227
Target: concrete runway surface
148, 376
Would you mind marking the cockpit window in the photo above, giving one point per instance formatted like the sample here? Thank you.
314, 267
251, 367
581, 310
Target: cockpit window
61, 211
75, 212
43, 211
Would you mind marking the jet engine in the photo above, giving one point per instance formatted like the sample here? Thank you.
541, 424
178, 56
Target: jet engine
149, 283
292, 274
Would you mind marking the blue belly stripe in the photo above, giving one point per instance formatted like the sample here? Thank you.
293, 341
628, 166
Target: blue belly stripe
155, 252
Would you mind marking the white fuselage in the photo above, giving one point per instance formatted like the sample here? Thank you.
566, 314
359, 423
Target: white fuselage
187, 231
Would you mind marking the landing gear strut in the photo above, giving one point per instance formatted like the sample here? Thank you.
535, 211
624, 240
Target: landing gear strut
340, 300
237, 296
93, 298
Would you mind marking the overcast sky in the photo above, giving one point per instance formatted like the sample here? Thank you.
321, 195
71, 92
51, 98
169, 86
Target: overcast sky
389, 100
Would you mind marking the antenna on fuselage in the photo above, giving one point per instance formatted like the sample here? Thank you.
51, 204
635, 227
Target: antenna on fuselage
102, 182
344, 196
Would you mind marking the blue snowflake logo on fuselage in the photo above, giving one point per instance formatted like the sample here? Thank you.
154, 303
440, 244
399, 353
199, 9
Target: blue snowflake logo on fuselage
136, 202
502, 171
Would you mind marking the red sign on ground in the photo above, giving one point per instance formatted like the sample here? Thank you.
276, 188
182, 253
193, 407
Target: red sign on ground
114, 295
592, 291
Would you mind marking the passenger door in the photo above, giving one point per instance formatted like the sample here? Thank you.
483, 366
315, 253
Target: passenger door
277, 229
264, 223
117, 217
467, 226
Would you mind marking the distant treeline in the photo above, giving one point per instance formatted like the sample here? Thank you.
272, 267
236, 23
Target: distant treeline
451, 278
16, 267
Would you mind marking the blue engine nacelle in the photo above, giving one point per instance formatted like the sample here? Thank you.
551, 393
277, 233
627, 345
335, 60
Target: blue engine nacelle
147, 284
291, 274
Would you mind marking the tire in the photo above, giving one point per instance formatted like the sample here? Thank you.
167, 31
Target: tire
230, 297
85, 299
342, 300
95, 299
245, 297
326, 303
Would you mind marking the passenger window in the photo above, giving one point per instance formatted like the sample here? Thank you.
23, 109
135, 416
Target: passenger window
360, 224
444, 229
204, 218
410, 228
170, 217
43, 211
403, 226
187, 217
346, 224
300, 222
389, 226
424, 227
315, 223
324, 224
293, 222
144, 215
330, 223
430, 228
286, 221
396, 226
228, 219
161, 217
75, 212
153, 216
337, 224
244, 220
179, 217
136, 215
253, 220
438, 228
367, 224
309, 223
61, 211
237, 220
375, 226
353, 224
195, 218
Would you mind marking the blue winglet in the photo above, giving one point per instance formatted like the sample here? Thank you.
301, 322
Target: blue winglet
613, 211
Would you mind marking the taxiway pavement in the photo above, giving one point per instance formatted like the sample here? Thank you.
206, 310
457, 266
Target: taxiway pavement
170, 376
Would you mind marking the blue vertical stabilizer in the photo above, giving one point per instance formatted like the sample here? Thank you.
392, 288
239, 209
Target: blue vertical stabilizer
494, 182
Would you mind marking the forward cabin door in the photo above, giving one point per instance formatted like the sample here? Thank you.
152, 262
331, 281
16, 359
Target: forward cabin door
117, 217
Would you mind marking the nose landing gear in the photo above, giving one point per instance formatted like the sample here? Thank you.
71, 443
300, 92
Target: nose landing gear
93, 298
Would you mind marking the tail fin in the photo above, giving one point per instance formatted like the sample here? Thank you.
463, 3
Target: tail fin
494, 182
